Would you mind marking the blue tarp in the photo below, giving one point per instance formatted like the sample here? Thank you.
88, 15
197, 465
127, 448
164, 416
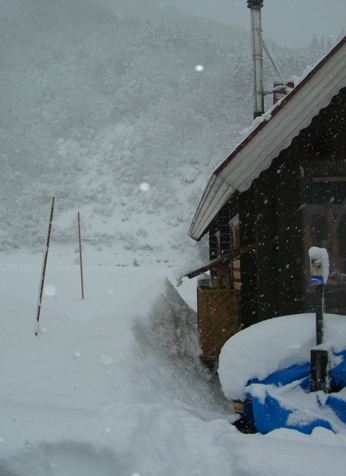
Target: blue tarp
338, 406
286, 376
266, 414
269, 416
338, 374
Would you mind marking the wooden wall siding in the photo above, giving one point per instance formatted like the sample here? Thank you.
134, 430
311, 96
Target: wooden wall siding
266, 238
248, 309
291, 281
247, 217
279, 239
325, 138
278, 225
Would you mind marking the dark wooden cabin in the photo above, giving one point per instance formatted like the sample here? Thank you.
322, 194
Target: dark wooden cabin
280, 192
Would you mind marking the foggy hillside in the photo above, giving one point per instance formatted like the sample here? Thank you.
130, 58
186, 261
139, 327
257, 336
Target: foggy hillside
97, 99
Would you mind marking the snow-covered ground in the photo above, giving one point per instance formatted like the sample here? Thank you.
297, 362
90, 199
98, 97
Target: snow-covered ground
112, 386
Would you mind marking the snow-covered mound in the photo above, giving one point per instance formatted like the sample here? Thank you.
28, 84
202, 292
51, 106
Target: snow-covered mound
273, 345
110, 382
172, 324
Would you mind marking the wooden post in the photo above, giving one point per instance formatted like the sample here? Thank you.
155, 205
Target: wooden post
319, 308
319, 358
80, 256
45, 265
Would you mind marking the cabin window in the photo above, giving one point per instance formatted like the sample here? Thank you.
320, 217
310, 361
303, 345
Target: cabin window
234, 233
235, 244
324, 217
320, 230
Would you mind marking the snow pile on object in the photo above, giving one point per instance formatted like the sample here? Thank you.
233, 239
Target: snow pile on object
168, 354
173, 323
319, 257
187, 268
181, 328
292, 406
274, 345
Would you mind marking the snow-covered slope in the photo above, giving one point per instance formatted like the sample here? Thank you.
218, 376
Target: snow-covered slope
99, 97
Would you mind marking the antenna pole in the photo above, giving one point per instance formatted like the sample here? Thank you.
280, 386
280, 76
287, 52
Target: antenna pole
257, 55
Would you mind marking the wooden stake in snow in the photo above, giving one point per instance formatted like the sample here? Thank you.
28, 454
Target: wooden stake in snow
44, 265
80, 256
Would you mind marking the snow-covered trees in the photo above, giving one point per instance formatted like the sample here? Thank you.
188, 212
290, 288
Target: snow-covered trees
93, 104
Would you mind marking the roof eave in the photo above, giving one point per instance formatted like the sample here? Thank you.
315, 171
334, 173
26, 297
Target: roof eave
257, 151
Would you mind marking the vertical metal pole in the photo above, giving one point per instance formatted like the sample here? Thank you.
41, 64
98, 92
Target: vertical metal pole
80, 256
257, 55
319, 304
45, 264
319, 357
319, 268
319, 371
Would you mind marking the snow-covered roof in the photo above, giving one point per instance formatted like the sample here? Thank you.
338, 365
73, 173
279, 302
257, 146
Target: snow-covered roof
273, 132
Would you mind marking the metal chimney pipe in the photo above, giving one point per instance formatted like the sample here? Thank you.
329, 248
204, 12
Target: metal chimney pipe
257, 55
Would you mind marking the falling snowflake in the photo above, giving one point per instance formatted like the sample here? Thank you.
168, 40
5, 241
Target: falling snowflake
50, 290
144, 187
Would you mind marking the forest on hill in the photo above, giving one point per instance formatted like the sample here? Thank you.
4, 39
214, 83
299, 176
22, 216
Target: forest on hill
97, 100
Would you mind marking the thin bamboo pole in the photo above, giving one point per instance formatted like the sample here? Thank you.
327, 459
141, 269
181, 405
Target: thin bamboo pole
45, 265
80, 256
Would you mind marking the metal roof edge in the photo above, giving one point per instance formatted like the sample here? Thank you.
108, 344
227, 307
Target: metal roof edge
205, 193
222, 189
276, 110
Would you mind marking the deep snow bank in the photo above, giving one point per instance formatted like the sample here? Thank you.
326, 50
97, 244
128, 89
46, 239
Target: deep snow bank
88, 397
168, 356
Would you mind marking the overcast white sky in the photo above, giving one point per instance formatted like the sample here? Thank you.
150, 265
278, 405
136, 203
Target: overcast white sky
288, 22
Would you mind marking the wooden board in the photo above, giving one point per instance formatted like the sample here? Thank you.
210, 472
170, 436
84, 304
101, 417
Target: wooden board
236, 274
237, 286
217, 319
236, 264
